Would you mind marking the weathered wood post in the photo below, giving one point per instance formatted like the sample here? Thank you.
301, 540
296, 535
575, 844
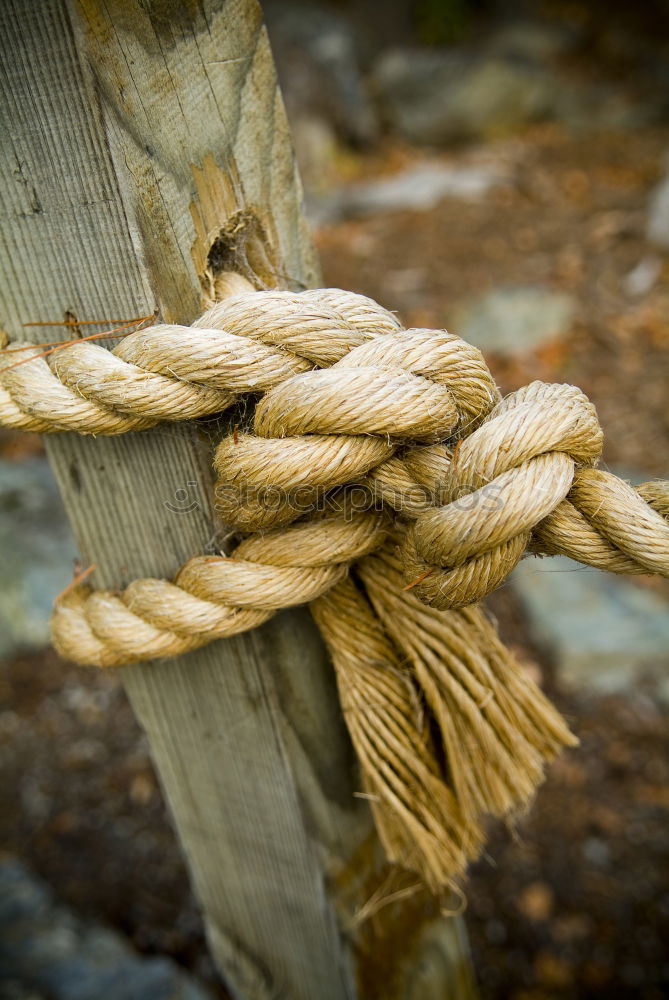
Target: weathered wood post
143, 140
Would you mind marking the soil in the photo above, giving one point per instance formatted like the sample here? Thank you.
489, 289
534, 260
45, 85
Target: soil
573, 902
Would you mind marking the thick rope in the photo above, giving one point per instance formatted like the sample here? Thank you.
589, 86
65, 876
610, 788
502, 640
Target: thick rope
510, 474
446, 726
326, 428
248, 343
603, 522
609, 524
213, 597
359, 418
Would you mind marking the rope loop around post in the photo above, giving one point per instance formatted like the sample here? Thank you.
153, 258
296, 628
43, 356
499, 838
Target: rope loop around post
385, 482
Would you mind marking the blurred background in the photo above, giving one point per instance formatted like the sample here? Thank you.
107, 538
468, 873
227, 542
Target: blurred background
500, 169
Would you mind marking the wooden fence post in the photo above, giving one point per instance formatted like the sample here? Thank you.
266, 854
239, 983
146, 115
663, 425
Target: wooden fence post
142, 141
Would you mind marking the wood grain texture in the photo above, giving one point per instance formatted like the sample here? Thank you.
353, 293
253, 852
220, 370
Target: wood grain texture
135, 134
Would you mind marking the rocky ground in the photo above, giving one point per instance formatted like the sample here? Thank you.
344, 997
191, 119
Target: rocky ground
544, 241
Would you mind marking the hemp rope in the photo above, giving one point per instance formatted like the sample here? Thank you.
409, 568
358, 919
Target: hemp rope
170, 372
257, 341
414, 417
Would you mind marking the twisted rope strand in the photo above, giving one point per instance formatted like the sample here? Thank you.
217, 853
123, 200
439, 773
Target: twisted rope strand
212, 597
248, 343
629, 536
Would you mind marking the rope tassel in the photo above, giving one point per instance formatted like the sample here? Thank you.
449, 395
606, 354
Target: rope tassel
498, 729
418, 818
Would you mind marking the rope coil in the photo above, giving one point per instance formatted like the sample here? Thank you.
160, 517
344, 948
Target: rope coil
388, 485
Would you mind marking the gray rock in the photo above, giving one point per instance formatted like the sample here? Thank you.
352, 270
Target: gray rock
436, 96
533, 41
514, 320
45, 948
658, 215
318, 64
643, 275
419, 189
603, 632
601, 105
37, 553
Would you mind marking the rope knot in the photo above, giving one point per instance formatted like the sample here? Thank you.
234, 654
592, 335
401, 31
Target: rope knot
384, 479
509, 474
328, 427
